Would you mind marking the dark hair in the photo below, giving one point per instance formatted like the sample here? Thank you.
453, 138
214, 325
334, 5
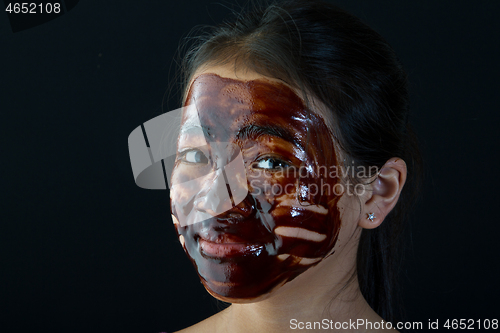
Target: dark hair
335, 58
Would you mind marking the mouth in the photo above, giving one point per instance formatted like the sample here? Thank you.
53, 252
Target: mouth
227, 248
229, 240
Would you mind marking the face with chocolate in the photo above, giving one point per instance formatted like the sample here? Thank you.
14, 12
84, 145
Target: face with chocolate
249, 201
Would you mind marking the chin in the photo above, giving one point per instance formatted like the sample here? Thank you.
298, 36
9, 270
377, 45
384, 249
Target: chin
233, 297
254, 288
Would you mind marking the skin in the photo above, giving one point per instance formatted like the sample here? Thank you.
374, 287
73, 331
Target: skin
279, 228
281, 285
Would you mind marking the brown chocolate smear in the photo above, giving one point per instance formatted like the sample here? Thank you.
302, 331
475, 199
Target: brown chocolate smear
283, 226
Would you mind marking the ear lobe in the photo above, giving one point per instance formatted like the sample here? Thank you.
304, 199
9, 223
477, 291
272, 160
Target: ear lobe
386, 190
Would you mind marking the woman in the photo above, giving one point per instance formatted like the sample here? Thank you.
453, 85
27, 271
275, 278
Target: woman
287, 188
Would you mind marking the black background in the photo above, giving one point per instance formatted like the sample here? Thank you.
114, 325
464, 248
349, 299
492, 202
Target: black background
83, 249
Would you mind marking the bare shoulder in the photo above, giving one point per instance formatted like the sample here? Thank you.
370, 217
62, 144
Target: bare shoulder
375, 323
206, 325
375, 329
209, 325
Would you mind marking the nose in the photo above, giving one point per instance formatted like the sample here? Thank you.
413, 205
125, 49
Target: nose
242, 210
216, 201
214, 198
227, 193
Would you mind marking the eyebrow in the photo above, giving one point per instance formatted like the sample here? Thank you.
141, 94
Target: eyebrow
194, 129
254, 131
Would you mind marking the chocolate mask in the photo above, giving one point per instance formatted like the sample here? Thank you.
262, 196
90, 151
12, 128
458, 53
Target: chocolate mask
250, 207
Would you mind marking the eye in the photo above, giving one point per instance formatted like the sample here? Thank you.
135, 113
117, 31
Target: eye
194, 156
271, 163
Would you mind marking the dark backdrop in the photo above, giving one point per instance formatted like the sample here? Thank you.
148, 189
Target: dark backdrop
83, 249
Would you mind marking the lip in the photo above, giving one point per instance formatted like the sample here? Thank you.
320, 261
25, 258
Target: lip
228, 249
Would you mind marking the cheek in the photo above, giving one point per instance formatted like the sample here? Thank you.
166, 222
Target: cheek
181, 196
183, 193
306, 230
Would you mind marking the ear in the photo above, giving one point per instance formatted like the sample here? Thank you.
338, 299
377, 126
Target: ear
385, 193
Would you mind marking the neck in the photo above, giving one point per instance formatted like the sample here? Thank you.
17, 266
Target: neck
294, 310
326, 294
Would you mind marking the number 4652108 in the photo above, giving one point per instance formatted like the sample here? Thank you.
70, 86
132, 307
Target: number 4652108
471, 324
33, 8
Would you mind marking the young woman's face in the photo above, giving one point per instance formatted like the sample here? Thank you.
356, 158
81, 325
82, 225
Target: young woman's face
253, 195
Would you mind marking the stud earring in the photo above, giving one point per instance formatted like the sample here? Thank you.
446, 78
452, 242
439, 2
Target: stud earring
371, 216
